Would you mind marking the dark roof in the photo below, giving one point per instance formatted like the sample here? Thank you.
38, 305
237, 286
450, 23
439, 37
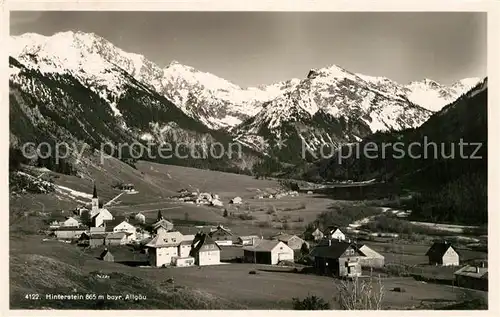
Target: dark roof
333, 251
98, 235
438, 249
202, 239
110, 224
331, 229
221, 230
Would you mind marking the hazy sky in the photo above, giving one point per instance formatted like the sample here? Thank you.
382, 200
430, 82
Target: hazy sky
252, 48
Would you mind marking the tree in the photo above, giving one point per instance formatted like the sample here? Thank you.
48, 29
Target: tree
186, 216
85, 218
225, 213
304, 249
361, 295
160, 216
310, 303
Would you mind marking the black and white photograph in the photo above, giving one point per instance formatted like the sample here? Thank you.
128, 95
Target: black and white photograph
248, 160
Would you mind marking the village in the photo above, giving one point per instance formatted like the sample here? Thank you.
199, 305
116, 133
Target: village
326, 251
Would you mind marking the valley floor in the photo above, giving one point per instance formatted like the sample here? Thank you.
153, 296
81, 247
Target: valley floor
51, 267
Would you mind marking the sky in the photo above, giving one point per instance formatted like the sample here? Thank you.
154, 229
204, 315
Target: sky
257, 48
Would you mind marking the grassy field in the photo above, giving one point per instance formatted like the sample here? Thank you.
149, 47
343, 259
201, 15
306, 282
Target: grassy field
53, 267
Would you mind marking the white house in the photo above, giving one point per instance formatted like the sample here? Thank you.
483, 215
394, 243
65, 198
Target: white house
205, 251
124, 226
163, 248
334, 233
70, 222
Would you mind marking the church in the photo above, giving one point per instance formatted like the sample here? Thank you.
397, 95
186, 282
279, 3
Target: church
97, 214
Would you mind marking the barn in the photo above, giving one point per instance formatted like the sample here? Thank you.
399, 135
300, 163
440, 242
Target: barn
268, 252
337, 258
443, 253
475, 277
371, 258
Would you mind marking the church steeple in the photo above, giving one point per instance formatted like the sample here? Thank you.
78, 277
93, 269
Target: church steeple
95, 199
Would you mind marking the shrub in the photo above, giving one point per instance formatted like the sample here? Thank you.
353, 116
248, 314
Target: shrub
310, 303
272, 210
246, 217
263, 224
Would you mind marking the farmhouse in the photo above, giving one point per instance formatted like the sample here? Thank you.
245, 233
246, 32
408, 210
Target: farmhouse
162, 225
371, 258
222, 236
443, 253
268, 252
205, 251
292, 241
107, 256
70, 222
248, 240
317, 235
475, 277
69, 233
337, 258
97, 239
116, 238
163, 247
334, 233
126, 227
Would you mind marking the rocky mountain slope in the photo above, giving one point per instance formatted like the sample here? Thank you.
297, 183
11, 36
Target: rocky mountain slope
112, 95
450, 179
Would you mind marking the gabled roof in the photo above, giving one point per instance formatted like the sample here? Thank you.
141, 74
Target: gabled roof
331, 229
332, 251
249, 237
116, 235
103, 212
221, 229
162, 223
438, 249
201, 240
105, 253
124, 222
285, 237
369, 252
265, 246
473, 271
317, 232
165, 239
